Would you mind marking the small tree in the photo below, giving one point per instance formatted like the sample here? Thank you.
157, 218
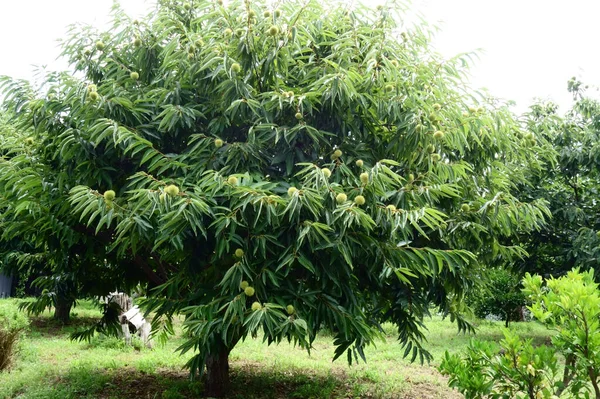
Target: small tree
500, 296
273, 170
569, 305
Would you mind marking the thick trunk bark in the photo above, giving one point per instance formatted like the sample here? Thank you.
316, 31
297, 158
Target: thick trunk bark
216, 384
62, 310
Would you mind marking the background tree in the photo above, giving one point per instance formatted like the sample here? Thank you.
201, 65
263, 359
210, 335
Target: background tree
570, 186
42, 239
500, 296
271, 170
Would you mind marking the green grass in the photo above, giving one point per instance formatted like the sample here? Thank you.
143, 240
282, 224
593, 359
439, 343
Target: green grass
50, 366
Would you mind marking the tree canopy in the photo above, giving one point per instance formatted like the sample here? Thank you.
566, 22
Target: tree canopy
267, 170
570, 185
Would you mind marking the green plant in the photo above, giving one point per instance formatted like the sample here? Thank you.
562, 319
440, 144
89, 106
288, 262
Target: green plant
61, 269
12, 324
500, 295
184, 202
571, 185
569, 305
515, 369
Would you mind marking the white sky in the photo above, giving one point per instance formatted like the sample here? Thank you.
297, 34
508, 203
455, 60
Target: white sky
530, 47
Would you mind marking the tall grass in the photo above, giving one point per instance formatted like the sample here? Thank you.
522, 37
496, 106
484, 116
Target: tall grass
12, 325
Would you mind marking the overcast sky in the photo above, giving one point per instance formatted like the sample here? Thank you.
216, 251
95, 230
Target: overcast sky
530, 48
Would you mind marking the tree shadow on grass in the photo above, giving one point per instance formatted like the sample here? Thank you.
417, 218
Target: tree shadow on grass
248, 380
254, 380
49, 327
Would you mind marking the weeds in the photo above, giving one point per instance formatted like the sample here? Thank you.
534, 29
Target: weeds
12, 324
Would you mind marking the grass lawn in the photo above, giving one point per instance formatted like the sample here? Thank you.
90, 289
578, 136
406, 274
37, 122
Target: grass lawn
52, 366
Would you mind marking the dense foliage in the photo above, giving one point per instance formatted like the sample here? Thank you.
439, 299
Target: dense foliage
500, 296
42, 239
268, 171
571, 238
570, 305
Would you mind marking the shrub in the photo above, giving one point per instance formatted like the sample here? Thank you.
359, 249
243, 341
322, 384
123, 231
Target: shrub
500, 296
570, 305
12, 325
517, 370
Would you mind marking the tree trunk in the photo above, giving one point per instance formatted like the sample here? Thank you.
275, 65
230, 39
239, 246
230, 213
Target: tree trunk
521, 310
62, 309
216, 383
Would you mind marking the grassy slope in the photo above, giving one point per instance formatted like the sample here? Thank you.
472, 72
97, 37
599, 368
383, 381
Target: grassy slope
51, 366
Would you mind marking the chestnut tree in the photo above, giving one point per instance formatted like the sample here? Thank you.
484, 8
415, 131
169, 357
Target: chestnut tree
56, 254
269, 170
572, 238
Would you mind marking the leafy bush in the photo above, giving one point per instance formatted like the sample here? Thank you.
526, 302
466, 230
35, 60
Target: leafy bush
570, 305
12, 324
500, 296
517, 370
